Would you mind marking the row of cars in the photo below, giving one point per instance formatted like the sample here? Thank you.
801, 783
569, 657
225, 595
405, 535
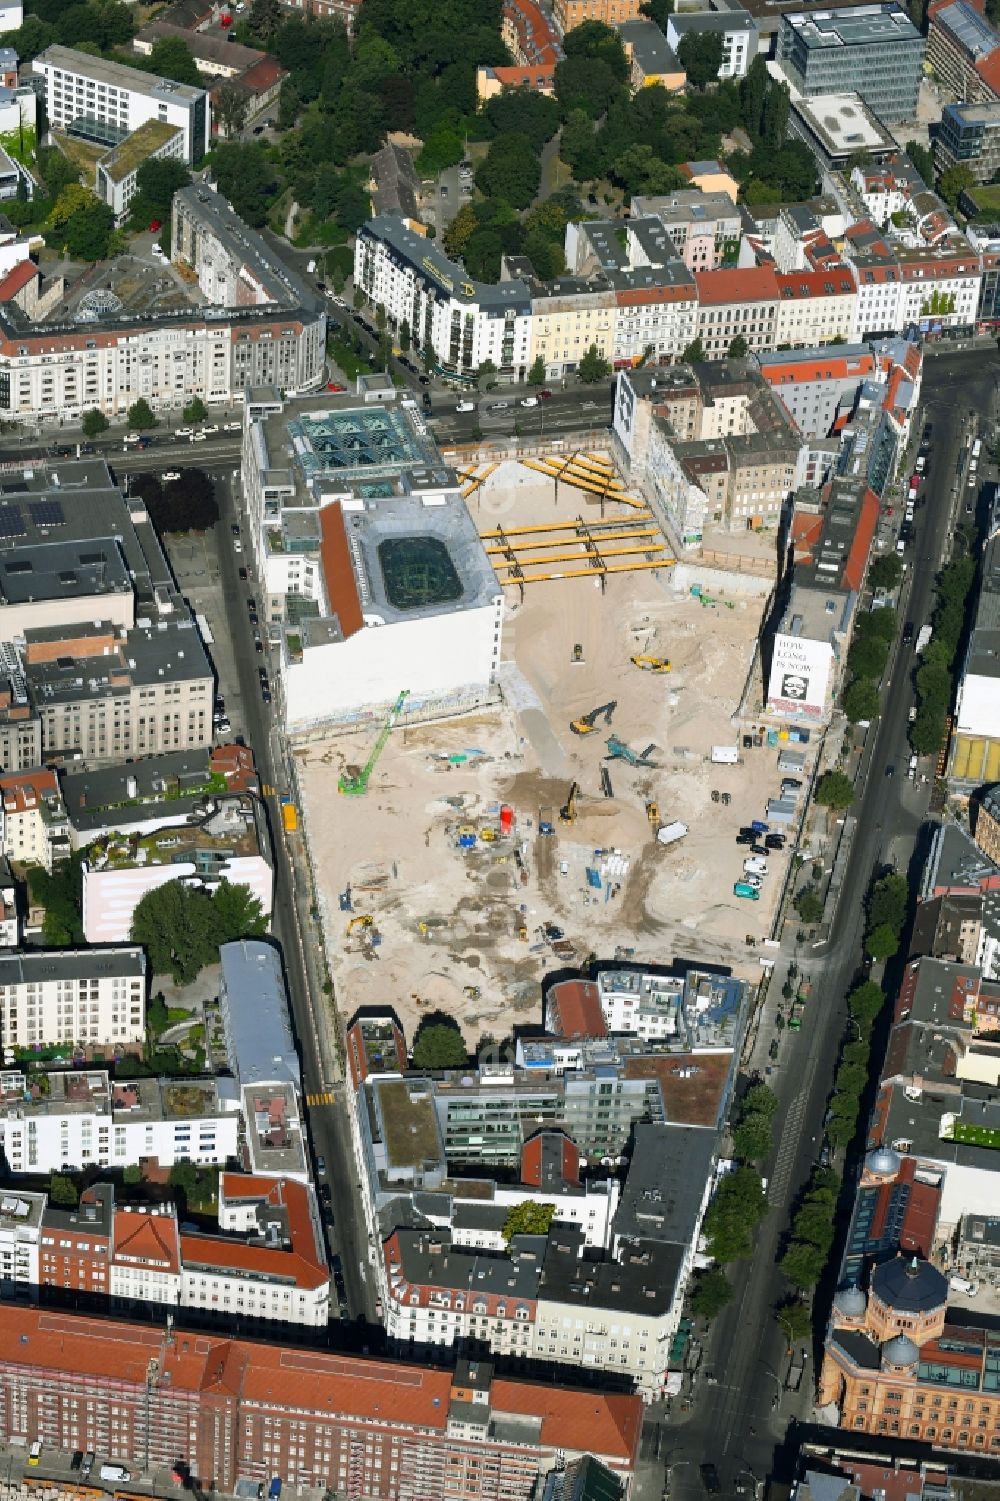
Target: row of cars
762, 843
193, 434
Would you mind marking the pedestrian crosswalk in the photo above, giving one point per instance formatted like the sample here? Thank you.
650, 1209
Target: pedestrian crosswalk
326, 1098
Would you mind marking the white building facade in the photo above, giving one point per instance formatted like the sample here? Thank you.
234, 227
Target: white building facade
95, 997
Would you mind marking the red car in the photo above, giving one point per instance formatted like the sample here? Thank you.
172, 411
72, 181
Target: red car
155, 226
545, 394
332, 385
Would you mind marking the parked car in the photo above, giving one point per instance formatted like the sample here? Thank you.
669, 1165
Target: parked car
183, 432
155, 225
466, 406
232, 427
333, 385
243, 575
529, 401
172, 474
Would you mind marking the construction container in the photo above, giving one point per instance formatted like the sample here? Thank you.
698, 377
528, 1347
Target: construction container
671, 832
725, 755
781, 810
506, 818
772, 737
790, 760
289, 817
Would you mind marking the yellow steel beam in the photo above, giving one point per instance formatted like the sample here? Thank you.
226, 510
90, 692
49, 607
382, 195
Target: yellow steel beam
632, 534
576, 557
580, 573
596, 528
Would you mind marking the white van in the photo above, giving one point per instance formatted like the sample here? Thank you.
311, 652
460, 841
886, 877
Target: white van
114, 1472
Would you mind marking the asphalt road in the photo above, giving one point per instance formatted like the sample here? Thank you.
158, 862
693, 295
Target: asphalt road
735, 1423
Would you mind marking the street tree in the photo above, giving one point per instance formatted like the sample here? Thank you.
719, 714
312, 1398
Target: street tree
711, 1292
886, 571
694, 352
176, 926
196, 410
752, 1138
808, 903
94, 423
861, 701
593, 366
794, 1320
141, 415
803, 1264
835, 790
536, 375
738, 348
882, 942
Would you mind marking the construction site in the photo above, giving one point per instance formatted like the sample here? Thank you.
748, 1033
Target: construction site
593, 813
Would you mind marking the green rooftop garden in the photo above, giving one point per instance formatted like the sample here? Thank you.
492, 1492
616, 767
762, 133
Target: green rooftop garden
974, 1136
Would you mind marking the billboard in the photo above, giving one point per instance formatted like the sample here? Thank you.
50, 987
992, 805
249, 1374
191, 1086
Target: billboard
800, 677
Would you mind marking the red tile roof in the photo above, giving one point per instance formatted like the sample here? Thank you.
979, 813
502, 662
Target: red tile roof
831, 282
262, 76
857, 558
540, 76
147, 1239
338, 570
607, 1426
754, 284
300, 1263
23, 790
577, 1006
15, 280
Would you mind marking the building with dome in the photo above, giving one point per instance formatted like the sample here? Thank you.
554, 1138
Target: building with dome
898, 1362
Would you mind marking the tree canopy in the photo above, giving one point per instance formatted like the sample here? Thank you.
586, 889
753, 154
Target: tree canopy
700, 54
181, 927
439, 1045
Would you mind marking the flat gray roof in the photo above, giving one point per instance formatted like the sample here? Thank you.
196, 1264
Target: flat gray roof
641, 1279
119, 75
859, 26
256, 1015
169, 651
417, 251
40, 966
244, 244
105, 795
667, 1179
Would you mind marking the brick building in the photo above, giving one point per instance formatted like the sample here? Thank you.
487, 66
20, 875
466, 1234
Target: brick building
231, 1408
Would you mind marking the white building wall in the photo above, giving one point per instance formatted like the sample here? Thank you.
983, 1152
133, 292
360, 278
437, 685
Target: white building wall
110, 897
815, 320
67, 96
106, 1010
607, 1339
19, 1243
95, 1138
242, 1294
977, 710
433, 657
143, 1283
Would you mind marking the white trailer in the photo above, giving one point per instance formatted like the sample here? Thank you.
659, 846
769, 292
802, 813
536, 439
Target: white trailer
725, 755
669, 833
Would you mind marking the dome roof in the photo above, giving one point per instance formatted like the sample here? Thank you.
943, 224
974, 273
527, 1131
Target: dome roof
850, 1301
909, 1285
883, 1161
901, 1351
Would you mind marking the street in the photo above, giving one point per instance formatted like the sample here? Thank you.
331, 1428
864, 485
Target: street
734, 1423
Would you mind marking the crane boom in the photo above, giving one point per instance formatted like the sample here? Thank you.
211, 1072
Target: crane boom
358, 784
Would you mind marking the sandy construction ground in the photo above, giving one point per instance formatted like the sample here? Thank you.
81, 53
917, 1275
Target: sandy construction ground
461, 929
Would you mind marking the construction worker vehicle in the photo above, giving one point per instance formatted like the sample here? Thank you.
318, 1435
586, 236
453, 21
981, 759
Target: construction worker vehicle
567, 812
619, 751
651, 664
587, 723
354, 785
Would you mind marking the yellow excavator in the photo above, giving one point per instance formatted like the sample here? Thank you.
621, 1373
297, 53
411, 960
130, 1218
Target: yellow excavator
365, 921
652, 664
587, 723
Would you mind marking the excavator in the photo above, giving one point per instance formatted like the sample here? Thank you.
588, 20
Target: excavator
587, 723
619, 751
652, 664
567, 812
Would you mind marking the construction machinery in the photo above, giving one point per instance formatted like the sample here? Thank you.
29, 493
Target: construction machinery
567, 812
365, 922
619, 751
651, 664
653, 814
355, 784
587, 723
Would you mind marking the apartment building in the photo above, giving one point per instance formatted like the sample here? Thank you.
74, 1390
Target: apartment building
705, 228
969, 136
353, 1424
974, 749
87, 1121
964, 51
529, 35
742, 302
878, 279
94, 997
464, 322
131, 693
815, 307
253, 1001
229, 842
20, 1241
34, 829
873, 50
568, 14
116, 175
651, 59
736, 26
103, 102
